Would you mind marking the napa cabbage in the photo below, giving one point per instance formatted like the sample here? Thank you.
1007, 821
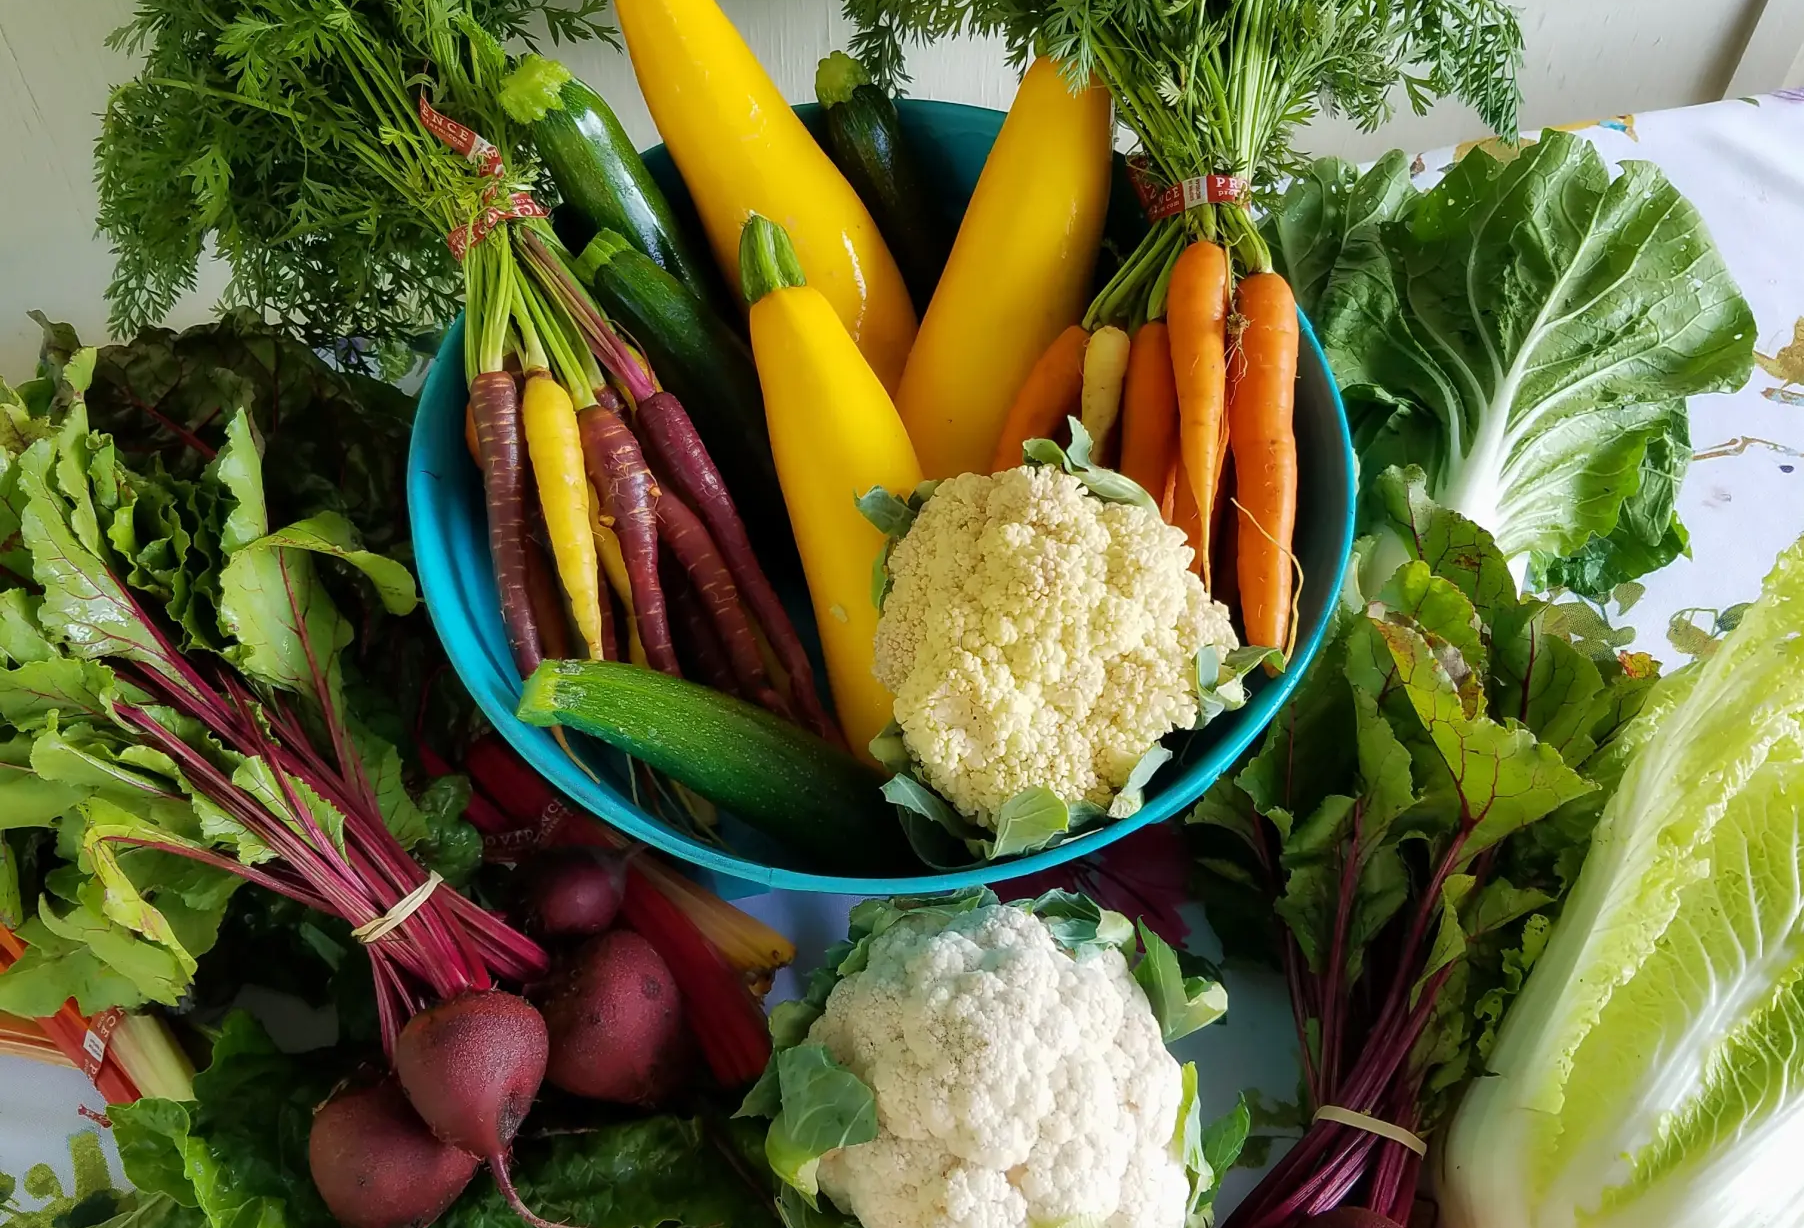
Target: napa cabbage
1526, 332
1651, 1075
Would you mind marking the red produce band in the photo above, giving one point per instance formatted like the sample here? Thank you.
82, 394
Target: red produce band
520, 204
1161, 201
465, 141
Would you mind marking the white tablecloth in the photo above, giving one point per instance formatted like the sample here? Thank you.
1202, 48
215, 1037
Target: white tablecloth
1742, 164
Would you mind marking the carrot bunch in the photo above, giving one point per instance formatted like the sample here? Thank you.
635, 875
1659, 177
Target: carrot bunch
1209, 380
633, 540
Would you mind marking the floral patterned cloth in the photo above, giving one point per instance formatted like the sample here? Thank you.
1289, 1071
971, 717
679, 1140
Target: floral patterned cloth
1742, 163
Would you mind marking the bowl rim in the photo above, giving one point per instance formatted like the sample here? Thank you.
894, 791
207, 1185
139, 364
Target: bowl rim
436, 573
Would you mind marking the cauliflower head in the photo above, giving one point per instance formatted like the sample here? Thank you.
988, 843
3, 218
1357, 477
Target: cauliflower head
1035, 635
1015, 1084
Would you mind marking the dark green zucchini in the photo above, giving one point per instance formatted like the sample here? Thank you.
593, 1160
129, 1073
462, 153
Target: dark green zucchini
600, 176
820, 802
864, 139
709, 369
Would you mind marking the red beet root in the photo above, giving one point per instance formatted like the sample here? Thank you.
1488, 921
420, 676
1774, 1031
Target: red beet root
575, 892
471, 1068
377, 1165
1351, 1217
616, 1022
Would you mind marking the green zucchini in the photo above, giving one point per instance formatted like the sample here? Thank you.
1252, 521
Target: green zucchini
600, 176
817, 800
709, 368
864, 139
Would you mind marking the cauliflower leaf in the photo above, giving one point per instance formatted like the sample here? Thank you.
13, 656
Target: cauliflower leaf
824, 1106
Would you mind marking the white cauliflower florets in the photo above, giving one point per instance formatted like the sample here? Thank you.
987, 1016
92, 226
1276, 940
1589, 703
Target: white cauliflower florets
1038, 636
1015, 1085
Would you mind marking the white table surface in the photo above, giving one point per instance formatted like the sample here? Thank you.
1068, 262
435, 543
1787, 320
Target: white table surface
1742, 164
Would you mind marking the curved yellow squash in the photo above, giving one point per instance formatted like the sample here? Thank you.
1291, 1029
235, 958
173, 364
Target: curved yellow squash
1019, 274
741, 150
835, 434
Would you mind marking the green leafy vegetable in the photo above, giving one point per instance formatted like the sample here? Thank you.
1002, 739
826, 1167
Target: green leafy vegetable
244, 132
1650, 1070
1413, 819
1525, 332
824, 1106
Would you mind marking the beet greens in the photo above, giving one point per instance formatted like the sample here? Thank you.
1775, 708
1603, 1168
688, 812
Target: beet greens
1402, 840
173, 669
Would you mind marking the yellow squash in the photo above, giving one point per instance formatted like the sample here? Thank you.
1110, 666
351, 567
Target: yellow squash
1019, 272
835, 435
742, 151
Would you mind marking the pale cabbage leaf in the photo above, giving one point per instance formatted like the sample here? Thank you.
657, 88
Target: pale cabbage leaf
1652, 1072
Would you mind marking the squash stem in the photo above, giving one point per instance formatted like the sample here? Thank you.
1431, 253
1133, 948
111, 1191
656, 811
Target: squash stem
767, 259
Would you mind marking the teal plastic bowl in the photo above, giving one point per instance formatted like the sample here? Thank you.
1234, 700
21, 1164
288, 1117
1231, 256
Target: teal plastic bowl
451, 550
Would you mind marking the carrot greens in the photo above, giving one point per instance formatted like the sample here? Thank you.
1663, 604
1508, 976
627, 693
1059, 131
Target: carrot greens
281, 134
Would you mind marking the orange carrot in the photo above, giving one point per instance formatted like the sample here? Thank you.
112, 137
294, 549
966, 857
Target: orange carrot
1149, 410
1053, 392
471, 441
1184, 515
1261, 402
1198, 313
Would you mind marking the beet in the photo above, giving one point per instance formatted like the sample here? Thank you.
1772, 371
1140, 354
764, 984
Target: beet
471, 1068
616, 1022
1350, 1217
574, 892
377, 1165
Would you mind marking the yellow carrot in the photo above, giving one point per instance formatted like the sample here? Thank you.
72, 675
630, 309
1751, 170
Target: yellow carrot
613, 565
1105, 371
555, 447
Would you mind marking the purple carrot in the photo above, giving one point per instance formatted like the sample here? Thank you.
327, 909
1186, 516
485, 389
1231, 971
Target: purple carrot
682, 531
680, 454
495, 404
630, 495
695, 632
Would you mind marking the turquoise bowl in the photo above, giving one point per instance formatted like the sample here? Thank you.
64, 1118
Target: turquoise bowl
451, 550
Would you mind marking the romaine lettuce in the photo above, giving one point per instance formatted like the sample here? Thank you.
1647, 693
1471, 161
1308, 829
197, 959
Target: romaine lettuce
1652, 1072
1525, 332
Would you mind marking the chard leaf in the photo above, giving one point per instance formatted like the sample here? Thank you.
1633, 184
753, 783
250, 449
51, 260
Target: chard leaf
1525, 327
331, 534
140, 970
21, 640
85, 609
825, 1106
1505, 779
64, 686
